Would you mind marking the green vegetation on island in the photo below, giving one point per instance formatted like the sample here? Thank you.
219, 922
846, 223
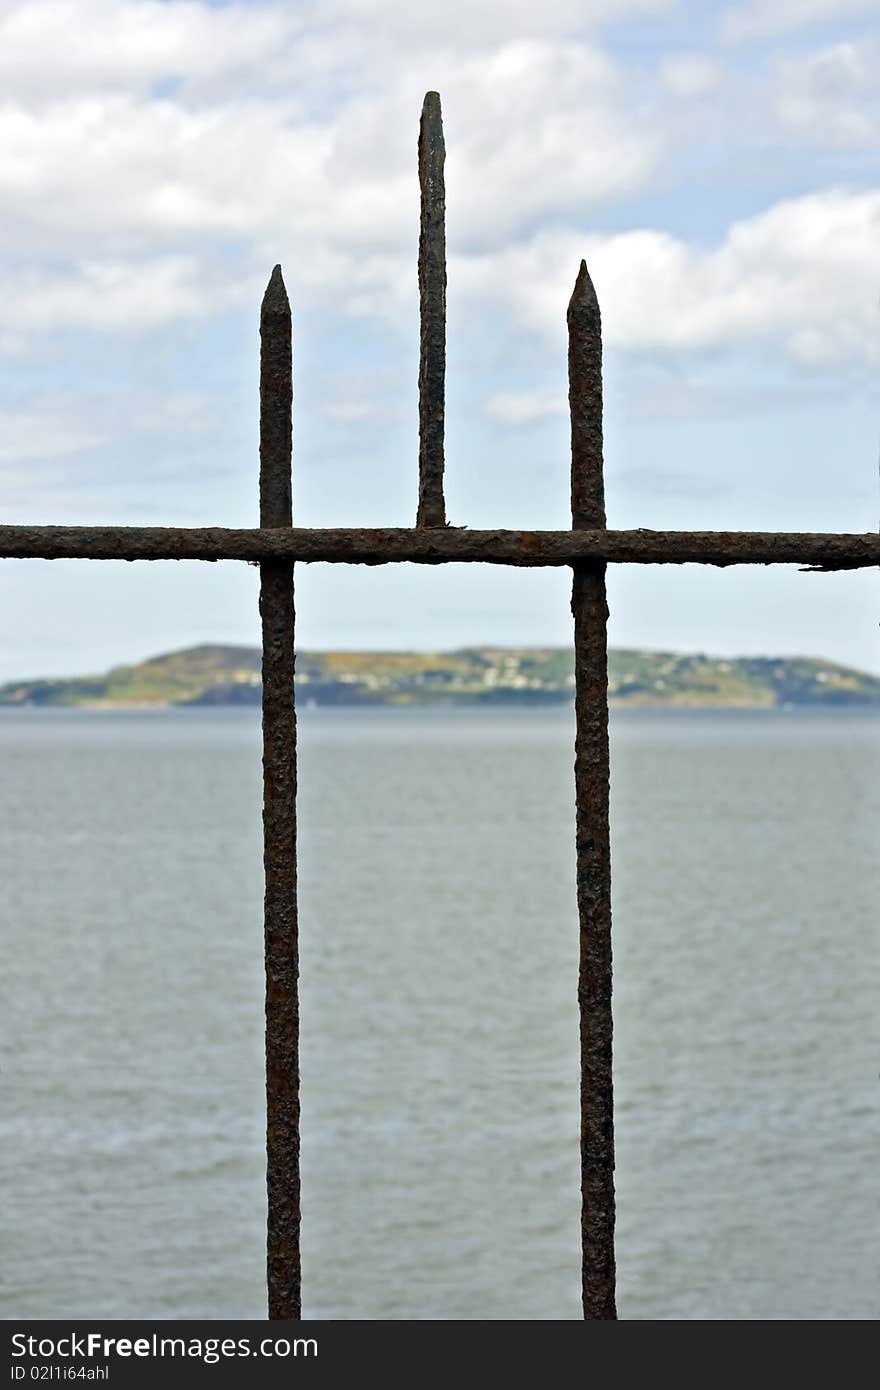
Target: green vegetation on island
221, 675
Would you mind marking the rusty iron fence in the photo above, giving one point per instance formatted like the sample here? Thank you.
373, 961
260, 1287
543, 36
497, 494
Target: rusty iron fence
587, 548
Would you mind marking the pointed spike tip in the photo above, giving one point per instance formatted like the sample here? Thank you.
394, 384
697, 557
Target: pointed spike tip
275, 299
584, 292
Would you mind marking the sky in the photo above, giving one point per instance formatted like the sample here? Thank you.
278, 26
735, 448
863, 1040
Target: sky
714, 162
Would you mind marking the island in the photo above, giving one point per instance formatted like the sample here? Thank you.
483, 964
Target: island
229, 675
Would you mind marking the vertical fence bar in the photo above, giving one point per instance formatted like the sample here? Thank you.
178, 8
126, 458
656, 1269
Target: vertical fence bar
590, 611
432, 313
279, 813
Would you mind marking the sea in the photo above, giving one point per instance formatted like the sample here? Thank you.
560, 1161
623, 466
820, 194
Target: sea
440, 1166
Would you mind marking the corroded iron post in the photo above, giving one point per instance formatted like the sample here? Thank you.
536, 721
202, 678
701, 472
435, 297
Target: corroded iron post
279, 813
432, 312
592, 836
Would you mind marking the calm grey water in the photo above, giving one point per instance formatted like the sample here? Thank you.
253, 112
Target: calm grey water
440, 1126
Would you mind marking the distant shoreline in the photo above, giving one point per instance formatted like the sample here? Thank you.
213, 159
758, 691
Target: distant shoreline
449, 706
472, 677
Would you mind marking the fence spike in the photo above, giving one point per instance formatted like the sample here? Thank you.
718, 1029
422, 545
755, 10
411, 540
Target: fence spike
432, 312
585, 401
276, 396
592, 836
279, 814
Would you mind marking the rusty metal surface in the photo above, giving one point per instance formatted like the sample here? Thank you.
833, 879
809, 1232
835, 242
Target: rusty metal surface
592, 836
279, 815
432, 311
587, 548
585, 405
383, 546
276, 404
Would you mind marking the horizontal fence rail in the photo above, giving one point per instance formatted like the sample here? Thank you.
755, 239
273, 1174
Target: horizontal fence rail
442, 545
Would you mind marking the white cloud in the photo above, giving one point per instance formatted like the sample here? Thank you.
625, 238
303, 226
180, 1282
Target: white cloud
484, 23
689, 74
55, 47
531, 129
111, 296
123, 210
766, 18
524, 407
128, 172
661, 397
31, 434
537, 130
675, 397
58, 46
193, 189
805, 275
826, 95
